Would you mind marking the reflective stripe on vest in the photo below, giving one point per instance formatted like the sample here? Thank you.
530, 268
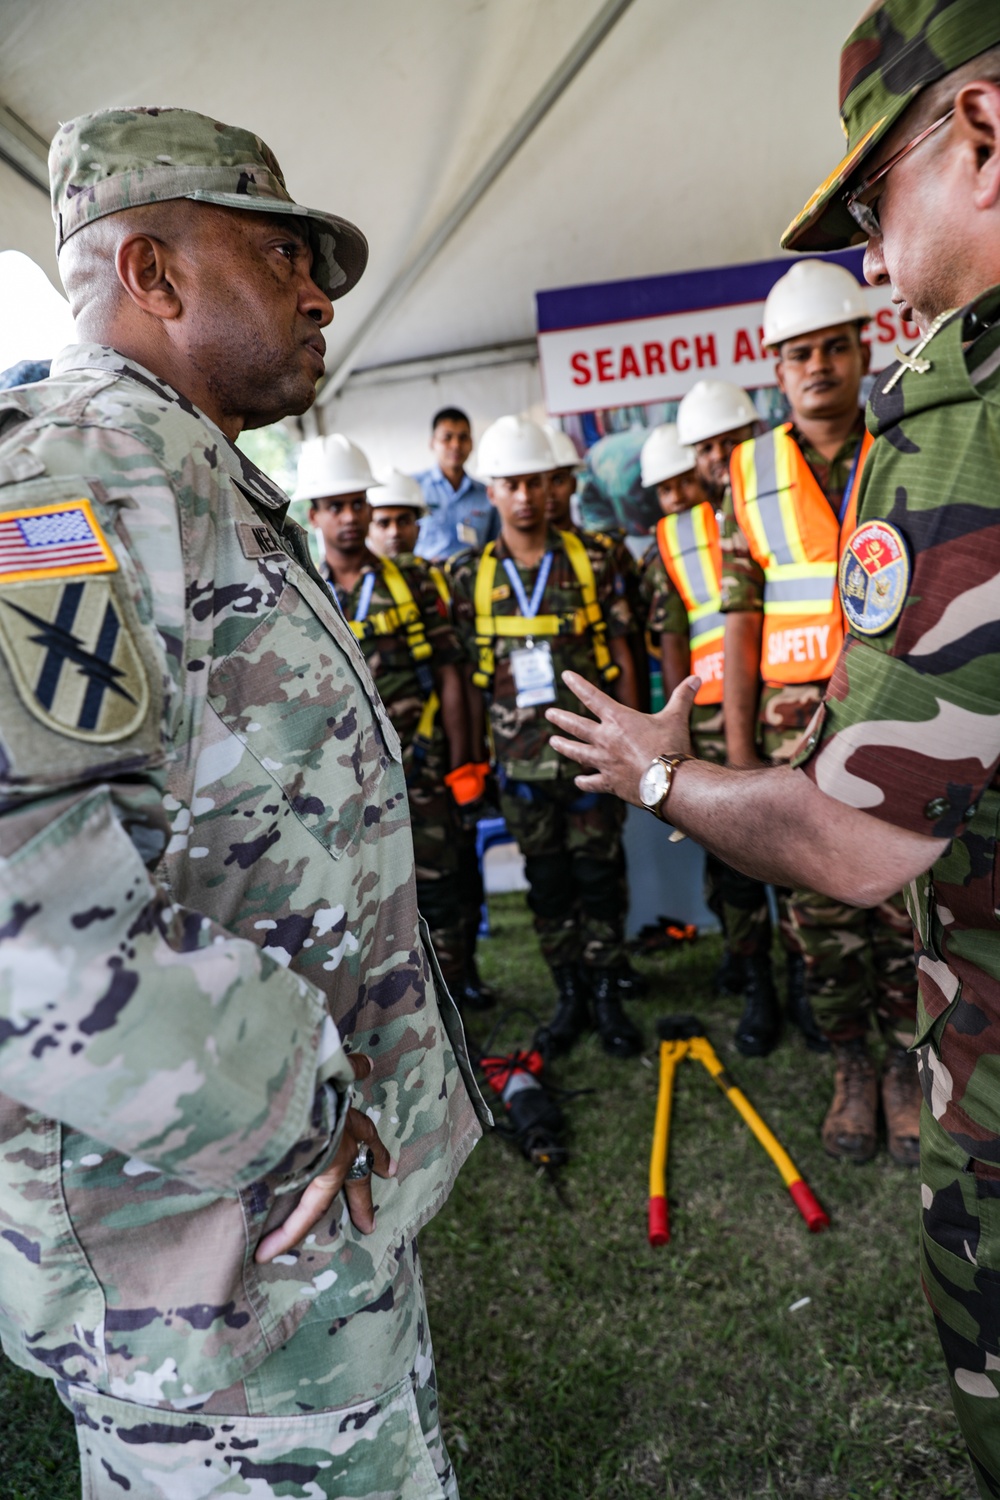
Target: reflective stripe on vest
689, 547
589, 617
797, 540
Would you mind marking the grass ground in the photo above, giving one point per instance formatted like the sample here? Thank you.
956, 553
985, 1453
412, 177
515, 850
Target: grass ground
576, 1363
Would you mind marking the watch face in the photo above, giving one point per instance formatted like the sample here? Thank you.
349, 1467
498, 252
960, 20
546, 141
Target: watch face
653, 784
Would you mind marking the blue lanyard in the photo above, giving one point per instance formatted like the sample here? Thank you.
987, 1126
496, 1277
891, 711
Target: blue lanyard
845, 502
529, 608
365, 600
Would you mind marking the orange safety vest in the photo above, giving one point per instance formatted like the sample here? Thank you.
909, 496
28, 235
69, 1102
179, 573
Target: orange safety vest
689, 546
797, 539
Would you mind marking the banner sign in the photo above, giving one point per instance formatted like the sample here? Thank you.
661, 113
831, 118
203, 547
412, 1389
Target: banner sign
630, 343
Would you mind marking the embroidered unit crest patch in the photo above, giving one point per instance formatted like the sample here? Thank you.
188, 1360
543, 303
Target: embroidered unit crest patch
73, 660
52, 541
874, 577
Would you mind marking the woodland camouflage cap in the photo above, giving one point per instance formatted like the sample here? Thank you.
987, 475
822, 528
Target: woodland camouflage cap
896, 51
120, 158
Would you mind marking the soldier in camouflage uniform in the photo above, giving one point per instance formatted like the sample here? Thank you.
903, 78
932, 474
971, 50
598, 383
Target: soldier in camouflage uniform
413, 655
857, 962
900, 770
207, 873
524, 613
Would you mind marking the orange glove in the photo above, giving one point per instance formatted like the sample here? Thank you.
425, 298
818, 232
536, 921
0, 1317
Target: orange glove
468, 782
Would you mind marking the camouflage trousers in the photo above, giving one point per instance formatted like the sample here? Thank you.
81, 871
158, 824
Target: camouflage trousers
347, 1409
571, 842
960, 1271
436, 834
857, 961
740, 903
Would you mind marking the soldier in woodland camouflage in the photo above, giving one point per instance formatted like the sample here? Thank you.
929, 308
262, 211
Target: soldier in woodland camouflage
209, 927
897, 778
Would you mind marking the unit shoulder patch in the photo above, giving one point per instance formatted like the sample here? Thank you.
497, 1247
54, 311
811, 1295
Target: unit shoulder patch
72, 658
61, 540
875, 575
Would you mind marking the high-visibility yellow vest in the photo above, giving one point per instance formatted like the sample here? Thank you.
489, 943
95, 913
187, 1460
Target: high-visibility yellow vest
575, 622
405, 616
797, 539
689, 547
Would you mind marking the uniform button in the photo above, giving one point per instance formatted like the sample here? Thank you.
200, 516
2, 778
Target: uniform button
936, 808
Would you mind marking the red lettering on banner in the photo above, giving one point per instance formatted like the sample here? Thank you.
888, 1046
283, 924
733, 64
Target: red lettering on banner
761, 346
743, 348
653, 355
886, 324
680, 356
602, 359
630, 365
581, 369
704, 349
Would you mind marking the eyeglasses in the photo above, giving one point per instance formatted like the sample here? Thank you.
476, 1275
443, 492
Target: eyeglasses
865, 215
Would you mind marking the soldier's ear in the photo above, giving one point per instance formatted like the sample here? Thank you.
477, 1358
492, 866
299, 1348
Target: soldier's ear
977, 125
142, 265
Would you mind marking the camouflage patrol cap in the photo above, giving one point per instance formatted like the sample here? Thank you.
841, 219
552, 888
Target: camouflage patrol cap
120, 158
894, 52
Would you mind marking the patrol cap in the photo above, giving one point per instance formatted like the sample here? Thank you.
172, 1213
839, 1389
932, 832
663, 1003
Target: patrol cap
114, 159
896, 50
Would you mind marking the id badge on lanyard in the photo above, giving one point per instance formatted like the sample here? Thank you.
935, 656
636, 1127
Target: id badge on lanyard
534, 674
531, 665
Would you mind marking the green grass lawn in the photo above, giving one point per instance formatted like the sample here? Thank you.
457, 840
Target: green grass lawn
575, 1361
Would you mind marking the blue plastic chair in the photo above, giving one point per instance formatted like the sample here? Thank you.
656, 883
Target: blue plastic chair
489, 832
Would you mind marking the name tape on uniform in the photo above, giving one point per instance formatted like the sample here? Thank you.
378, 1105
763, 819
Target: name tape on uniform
53, 541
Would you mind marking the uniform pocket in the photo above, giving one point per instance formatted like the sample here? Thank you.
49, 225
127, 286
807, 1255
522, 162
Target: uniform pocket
291, 696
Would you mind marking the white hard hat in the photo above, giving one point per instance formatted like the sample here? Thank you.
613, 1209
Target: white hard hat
513, 445
813, 294
711, 408
664, 456
331, 465
398, 489
563, 448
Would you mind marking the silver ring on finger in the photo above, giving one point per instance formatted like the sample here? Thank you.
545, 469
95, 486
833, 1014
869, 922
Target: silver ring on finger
361, 1166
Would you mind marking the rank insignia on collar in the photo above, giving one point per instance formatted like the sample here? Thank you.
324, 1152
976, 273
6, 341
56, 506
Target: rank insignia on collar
874, 577
73, 659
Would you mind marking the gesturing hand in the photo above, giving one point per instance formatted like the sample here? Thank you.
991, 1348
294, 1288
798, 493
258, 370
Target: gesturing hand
620, 743
318, 1197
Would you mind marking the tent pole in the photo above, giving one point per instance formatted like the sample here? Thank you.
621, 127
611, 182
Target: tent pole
412, 269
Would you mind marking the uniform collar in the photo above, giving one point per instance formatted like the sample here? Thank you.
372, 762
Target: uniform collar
254, 483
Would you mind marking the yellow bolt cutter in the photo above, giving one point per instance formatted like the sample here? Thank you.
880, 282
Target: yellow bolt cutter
680, 1037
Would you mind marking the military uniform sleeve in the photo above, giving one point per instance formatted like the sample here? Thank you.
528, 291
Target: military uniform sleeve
910, 728
742, 575
137, 1021
665, 609
462, 578
436, 617
612, 596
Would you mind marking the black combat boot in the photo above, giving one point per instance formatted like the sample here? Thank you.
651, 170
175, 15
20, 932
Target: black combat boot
730, 977
618, 1035
631, 984
571, 1018
757, 1032
797, 1006
474, 992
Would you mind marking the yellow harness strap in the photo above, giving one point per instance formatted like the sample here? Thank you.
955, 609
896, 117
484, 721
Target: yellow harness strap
588, 617
403, 616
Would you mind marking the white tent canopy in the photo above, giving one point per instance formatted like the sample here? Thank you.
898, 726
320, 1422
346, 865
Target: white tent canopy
689, 138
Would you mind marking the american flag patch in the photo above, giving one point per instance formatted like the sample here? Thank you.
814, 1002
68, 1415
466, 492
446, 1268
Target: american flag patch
52, 541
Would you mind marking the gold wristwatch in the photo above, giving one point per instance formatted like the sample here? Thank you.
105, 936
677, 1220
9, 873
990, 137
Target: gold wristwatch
656, 781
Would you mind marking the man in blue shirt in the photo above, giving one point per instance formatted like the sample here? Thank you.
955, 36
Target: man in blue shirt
459, 513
